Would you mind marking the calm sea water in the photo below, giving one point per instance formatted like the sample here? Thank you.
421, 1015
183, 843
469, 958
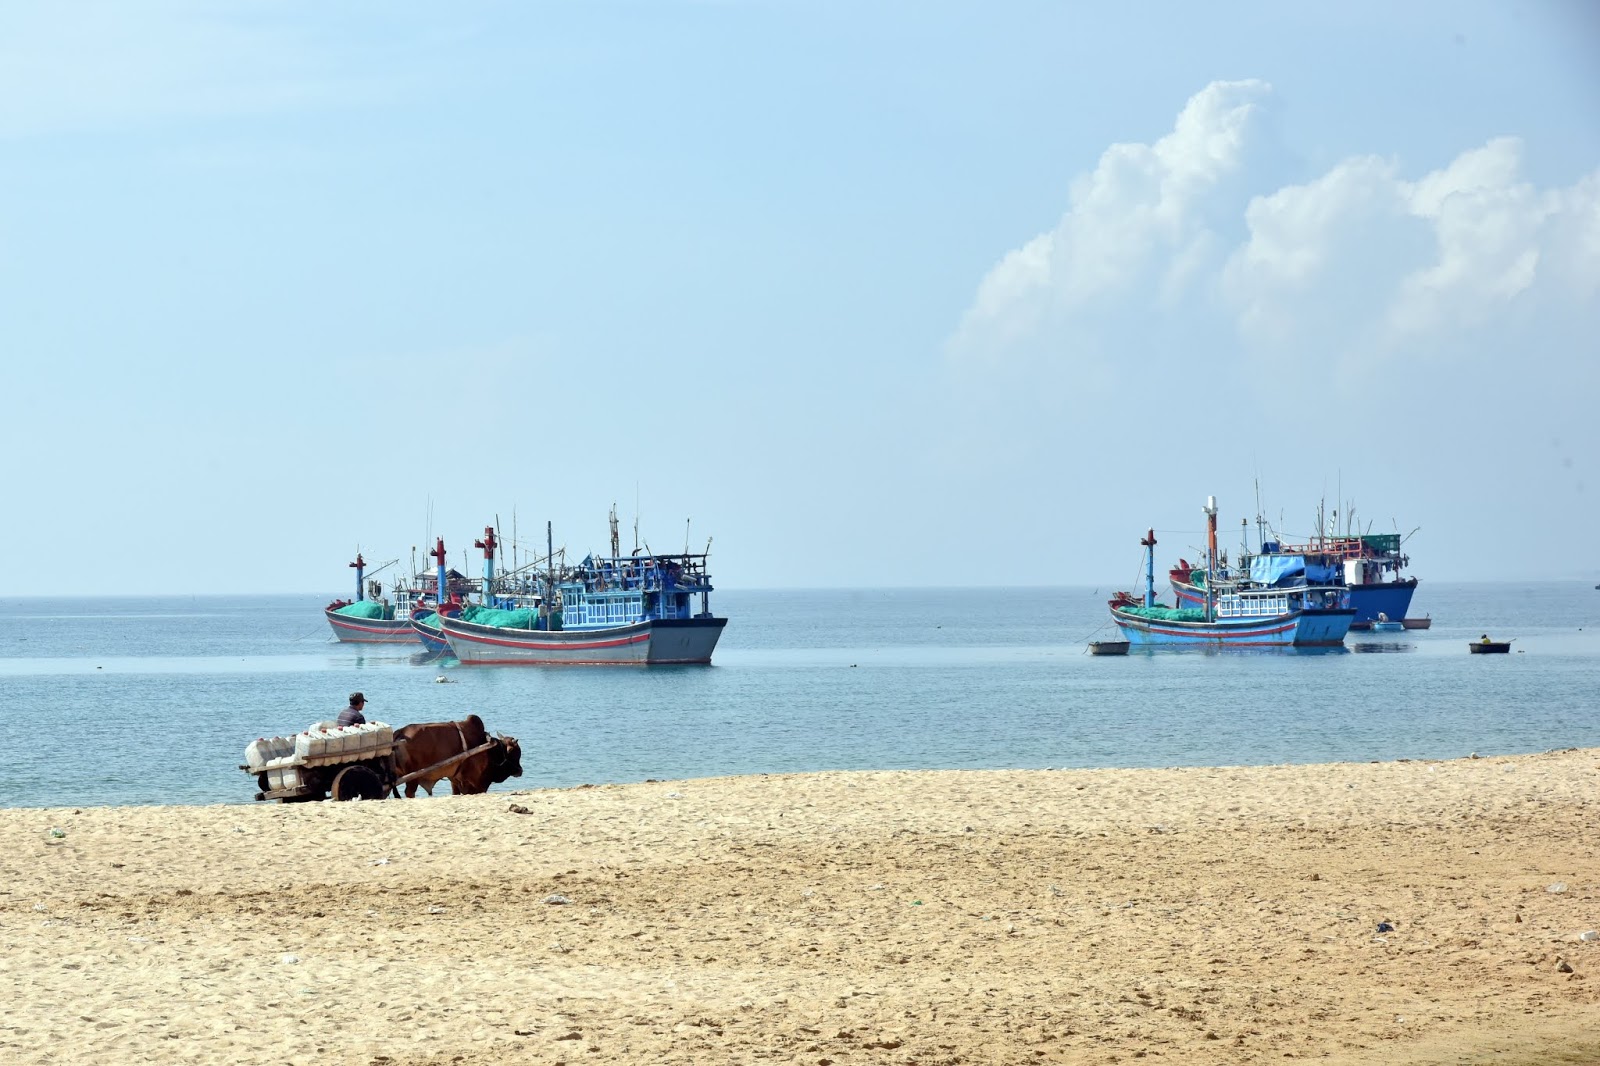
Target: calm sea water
124, 701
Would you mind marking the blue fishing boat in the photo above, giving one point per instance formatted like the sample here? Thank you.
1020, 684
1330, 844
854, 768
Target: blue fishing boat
1234, 611
1368, 565
636, 609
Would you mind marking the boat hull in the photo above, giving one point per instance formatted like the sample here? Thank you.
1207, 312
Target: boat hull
662, 641
1308, 628
426, 629
1108, 647
1392, 598
371, 630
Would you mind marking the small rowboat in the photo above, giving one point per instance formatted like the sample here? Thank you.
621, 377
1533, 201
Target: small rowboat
1108, 647
1492, 647
1416, 623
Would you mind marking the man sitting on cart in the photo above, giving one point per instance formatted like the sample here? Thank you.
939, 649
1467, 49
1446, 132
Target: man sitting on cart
352, 715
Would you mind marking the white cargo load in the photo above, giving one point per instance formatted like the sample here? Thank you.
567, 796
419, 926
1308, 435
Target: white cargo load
321, 745
351, 743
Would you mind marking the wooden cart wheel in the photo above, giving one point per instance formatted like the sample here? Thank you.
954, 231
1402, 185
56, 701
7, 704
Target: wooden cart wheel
358, 782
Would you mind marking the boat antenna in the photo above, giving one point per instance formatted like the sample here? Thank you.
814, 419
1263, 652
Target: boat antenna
616, 544
686, 536
1211, 557
550, 565
1261, 522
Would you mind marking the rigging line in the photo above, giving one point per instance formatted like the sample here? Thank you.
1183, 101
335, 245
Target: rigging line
1094, 633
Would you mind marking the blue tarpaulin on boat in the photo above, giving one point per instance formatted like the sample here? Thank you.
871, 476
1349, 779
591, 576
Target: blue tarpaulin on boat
1277, 569
1281, 571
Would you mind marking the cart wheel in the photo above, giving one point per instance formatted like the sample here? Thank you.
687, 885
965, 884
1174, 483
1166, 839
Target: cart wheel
357, 782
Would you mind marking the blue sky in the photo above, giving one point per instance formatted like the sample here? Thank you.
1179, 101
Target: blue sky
870, 293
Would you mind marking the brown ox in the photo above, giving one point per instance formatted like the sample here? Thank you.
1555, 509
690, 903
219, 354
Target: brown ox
426, 743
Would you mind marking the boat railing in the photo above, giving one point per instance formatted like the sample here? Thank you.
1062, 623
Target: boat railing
1251, 606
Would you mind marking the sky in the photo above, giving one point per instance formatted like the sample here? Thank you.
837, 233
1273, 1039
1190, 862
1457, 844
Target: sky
867, 294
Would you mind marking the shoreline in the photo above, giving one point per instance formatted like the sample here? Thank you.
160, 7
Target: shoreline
1200, 914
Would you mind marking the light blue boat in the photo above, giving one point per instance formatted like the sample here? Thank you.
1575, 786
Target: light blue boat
636, 609
1235, 612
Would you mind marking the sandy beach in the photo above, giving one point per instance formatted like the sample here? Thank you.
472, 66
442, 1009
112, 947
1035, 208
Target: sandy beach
1187, 915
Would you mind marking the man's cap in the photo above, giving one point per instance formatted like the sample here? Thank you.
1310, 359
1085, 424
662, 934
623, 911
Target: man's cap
356, 697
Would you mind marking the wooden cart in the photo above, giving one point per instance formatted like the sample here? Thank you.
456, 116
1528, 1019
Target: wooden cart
295, 770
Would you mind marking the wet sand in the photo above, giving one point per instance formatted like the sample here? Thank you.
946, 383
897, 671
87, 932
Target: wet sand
1184, 915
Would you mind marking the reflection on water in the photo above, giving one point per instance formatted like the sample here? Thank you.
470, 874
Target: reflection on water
1381, 646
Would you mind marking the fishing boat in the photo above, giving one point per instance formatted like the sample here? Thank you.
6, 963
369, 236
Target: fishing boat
458, 587
1235, 612
637, 609
503, 593
1416, 623
372, 617
1368, 565
1383, 624
1489, 647
1108, 647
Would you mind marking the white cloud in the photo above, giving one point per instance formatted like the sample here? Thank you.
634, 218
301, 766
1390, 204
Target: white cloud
1140, 205
1360, 265
1354, 267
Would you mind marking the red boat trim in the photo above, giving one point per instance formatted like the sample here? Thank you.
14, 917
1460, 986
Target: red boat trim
575, 645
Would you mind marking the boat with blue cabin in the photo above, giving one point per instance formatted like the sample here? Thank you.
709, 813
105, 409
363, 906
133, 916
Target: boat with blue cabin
639, 609
1272, 609
1369, 565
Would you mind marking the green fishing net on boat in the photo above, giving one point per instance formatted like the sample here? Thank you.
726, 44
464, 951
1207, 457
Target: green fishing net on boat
1167, 614
500, 618
366, 609
521, 618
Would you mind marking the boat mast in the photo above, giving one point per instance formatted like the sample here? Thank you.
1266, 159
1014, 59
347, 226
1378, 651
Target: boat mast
361, 573
487, 544
550, 569
1211, 557
616, 543
441, 582
1149, 542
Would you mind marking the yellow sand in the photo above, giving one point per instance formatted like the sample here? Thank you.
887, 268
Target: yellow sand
1186, 915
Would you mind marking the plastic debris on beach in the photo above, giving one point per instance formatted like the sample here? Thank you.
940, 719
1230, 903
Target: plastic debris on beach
556, 899
1385, 927
57, 834
290, 960
379, 862
1557, 888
